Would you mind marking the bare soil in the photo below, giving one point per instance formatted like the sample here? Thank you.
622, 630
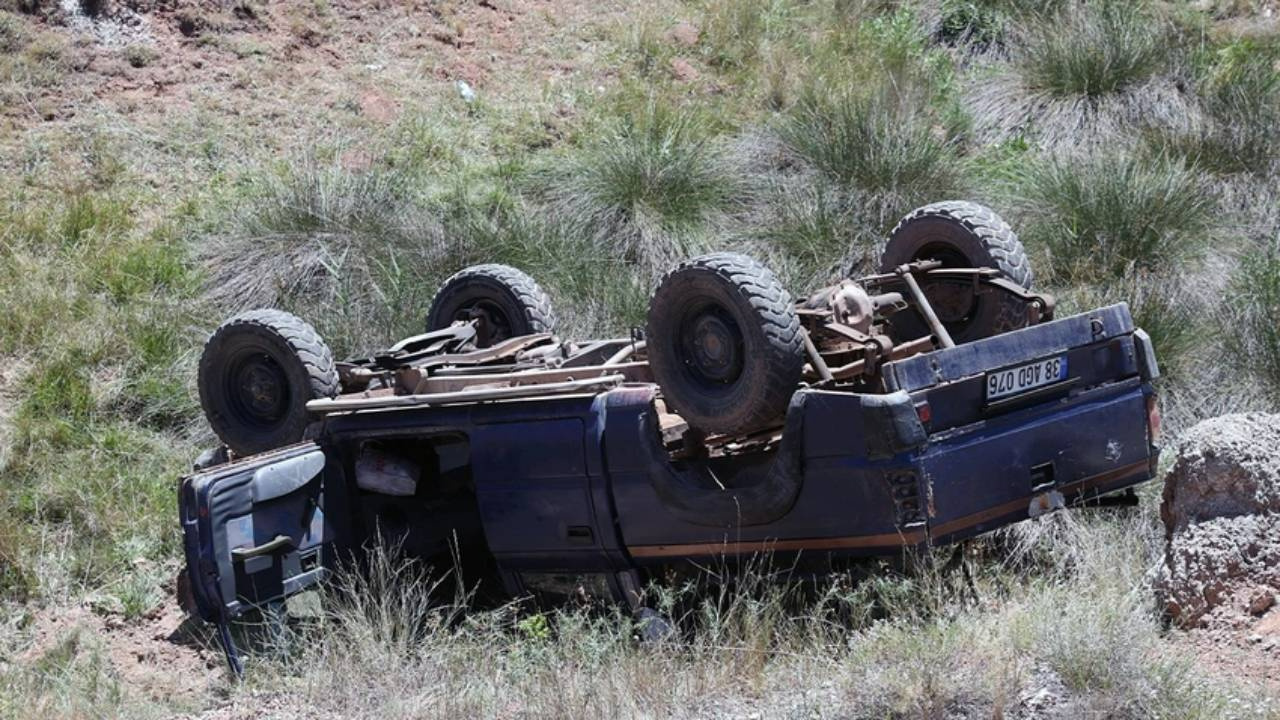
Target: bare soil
284, 64
164, 657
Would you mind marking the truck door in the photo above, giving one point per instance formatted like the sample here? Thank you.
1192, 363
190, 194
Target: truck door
255, 531
533, 486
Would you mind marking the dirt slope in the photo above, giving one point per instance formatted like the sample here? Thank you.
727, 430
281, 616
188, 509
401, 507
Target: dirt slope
284, 64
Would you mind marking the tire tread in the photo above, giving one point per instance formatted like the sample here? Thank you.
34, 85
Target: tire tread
995, 234
302, 340
532, 298
773, 308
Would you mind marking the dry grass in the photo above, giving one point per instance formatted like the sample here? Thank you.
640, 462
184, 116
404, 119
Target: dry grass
1063, 610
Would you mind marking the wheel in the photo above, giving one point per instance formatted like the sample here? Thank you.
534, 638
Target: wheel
964, 234
724, 343
257, 372
509, 302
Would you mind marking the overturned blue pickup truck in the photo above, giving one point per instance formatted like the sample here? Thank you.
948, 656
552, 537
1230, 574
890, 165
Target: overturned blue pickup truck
929, 403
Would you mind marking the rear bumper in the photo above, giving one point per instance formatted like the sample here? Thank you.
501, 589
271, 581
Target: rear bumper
1005, 469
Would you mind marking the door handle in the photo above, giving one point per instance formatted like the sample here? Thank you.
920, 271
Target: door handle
271, 547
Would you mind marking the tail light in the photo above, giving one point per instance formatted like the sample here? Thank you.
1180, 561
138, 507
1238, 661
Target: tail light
1153, 418
924, 412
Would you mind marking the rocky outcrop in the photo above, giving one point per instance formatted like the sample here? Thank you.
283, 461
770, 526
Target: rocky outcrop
1221, 512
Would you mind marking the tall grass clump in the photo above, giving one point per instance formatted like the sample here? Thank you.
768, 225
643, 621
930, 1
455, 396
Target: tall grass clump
335, 235
814, 232
1064, 610
877, 143
595, 288
735, 33
647, 186
1256, 338
1238, 127
1102, 215
1172, 310
1091, 48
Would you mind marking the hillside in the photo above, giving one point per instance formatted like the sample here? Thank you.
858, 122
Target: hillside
165, 163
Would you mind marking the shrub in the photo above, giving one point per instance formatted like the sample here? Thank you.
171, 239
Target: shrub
1255, 335
1091, 48
647, 186
876, 144
1239, 130
139, 55
1101, 215
12, 35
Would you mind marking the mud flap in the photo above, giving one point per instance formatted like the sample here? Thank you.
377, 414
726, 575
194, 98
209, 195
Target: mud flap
229, 648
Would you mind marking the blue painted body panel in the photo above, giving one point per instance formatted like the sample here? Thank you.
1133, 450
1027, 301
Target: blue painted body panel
573, 483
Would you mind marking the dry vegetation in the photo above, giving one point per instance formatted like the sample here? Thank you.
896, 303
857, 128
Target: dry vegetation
164, 164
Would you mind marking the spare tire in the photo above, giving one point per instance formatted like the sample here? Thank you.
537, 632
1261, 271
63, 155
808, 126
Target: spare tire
257, 373
510, 303
964, 234
724, 343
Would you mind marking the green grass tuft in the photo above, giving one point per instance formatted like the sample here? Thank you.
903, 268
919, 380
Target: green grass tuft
1104, 215
1092, 48
877, 144
646, 187
1239, 130
1256, 339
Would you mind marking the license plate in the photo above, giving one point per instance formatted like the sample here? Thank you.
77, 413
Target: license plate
1014, 380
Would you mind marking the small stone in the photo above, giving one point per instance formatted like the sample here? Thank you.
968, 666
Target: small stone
465, 92
685, 34
683, 70
1261, 602
1254, 639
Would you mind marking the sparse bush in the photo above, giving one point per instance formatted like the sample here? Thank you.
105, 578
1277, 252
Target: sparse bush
1102, 215
647, 186
1091, 48
874, 144
140, 55
1255, 330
